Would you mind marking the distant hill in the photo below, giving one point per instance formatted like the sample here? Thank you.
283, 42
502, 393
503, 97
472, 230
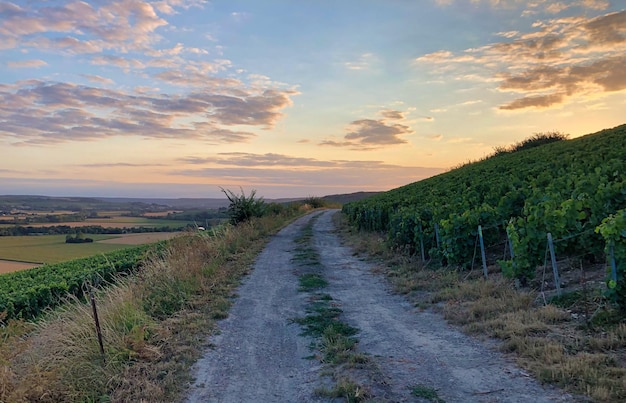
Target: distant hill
181, 203
50, 203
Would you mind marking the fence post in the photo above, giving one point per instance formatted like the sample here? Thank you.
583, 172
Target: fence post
612, 259
95, 318
437, 235
422, 243
555, 270
482, 250
508, 238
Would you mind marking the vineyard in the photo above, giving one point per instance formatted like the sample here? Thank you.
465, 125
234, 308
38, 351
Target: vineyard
25, 294
574, 190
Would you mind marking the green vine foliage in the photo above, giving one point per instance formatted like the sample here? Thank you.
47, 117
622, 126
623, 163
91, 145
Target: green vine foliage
613, 230
565, 187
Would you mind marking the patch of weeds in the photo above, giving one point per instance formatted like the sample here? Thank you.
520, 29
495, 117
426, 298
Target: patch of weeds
335, 346
567, 300
346, 388
323, 314
334, 340
312, 281
608, 317
306, 257
426, 392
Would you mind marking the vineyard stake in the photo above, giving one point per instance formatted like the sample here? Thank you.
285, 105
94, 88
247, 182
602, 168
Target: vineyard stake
612, 259
422, 243
437, 236
482, 250
95, 318
555, 270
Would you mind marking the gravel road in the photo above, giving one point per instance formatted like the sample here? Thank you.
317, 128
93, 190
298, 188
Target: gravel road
260, 356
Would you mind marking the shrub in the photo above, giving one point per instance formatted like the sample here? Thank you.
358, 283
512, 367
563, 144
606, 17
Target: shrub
613, 230
242, 208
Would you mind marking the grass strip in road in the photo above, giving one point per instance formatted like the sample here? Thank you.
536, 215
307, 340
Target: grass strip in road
335, 340
312, 281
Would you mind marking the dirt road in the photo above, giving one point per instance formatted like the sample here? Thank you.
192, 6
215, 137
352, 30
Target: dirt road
260, 356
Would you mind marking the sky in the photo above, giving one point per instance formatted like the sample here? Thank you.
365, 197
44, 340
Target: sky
179, 98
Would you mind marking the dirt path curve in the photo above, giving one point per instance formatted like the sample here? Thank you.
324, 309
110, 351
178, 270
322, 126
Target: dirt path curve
259, 355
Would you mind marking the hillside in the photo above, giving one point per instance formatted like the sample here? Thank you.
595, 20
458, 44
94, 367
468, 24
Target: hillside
566, 188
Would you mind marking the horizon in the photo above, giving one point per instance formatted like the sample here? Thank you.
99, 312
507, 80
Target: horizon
179, 98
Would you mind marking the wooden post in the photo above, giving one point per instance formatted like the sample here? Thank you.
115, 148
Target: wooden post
95, 318
555, 270
482, 250
612, 259
422, 243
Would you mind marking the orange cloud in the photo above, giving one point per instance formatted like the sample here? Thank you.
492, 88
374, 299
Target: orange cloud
563, 58
372, 134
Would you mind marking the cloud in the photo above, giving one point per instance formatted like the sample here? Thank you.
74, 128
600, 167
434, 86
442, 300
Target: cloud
535, 6
377, 132
26, 64
121, 62
117, 165
392, 115
278, 170
122, 24
98, 79
372, 134
363, 62
561, 58
37, 112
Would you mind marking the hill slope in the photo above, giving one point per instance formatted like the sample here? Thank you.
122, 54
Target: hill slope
566, 188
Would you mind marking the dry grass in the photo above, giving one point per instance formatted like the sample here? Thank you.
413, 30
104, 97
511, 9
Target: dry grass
154, 325
580, 347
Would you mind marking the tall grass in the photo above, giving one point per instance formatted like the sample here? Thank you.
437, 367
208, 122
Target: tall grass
154, 324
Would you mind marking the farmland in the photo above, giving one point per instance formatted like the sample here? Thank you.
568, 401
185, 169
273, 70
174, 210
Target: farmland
113, 222
22, 252
27, 293
573, 189
33, 229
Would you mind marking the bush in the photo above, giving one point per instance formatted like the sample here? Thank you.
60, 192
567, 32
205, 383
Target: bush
242, 208
613, 230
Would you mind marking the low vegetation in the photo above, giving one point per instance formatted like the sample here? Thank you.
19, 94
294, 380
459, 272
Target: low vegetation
543, 185
243, 208
153, 323
576, 341
334, 340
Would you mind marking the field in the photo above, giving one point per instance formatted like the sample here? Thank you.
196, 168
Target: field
8, 266
22, 252
113, 222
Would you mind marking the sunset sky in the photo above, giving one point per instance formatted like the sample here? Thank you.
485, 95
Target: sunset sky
176, 98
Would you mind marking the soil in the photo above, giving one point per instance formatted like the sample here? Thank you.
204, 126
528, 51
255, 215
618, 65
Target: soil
259, 354
9, 266
140, 239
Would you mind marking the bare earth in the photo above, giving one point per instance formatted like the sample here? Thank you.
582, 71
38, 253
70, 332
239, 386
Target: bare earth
8, 266
141, 238
259, 356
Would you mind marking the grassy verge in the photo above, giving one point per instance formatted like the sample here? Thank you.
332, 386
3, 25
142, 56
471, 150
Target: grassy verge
334, 340
577, 342
154, 325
